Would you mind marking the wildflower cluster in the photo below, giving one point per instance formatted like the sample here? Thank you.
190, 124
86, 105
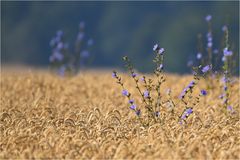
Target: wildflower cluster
125, 93
225, 54
186, 96
226, 80
213, 55
151, 96
62, 59
146, 87
150, 89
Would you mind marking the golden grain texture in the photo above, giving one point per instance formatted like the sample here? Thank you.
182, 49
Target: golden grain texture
46, 116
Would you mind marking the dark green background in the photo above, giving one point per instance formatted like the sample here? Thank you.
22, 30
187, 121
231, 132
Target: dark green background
118, 28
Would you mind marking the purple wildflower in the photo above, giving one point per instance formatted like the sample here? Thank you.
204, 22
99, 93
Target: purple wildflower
225, 79
125, 92
57, 39
209, 44
224, 58
155, 47
133, 107
225, 88
60, 46
131, 101
210, 39
58, 56
182, 94
230, 108
208, 18
221, 96
146, 94
226, 52
199, 55
189, 111
138, 112
114, 74
160, 66
209, 36
134, 75
191, 85
203, 92
206, 68
142, 79
186, 113
161, 51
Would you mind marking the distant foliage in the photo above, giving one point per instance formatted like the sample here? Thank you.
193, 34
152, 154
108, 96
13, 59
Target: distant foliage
63, 60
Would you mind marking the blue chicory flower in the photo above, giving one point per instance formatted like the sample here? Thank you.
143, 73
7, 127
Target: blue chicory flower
186, 113
161, 51
133, 107
155, 47
206, 68
146, 94
131, 101
208, 18
203, 92
125, 92
161, 66
134, 75
226, 52
138, 112
199, 55
114, 74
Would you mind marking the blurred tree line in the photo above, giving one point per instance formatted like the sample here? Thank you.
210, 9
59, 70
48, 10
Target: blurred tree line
118, 29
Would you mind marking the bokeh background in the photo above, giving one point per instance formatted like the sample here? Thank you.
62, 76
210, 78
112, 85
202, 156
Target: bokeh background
118, 29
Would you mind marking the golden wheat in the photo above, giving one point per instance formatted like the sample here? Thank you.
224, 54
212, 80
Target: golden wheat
46, 116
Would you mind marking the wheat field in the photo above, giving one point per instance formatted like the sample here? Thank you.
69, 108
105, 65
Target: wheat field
86, 117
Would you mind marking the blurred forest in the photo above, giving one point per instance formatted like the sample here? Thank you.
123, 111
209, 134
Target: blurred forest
118, 29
